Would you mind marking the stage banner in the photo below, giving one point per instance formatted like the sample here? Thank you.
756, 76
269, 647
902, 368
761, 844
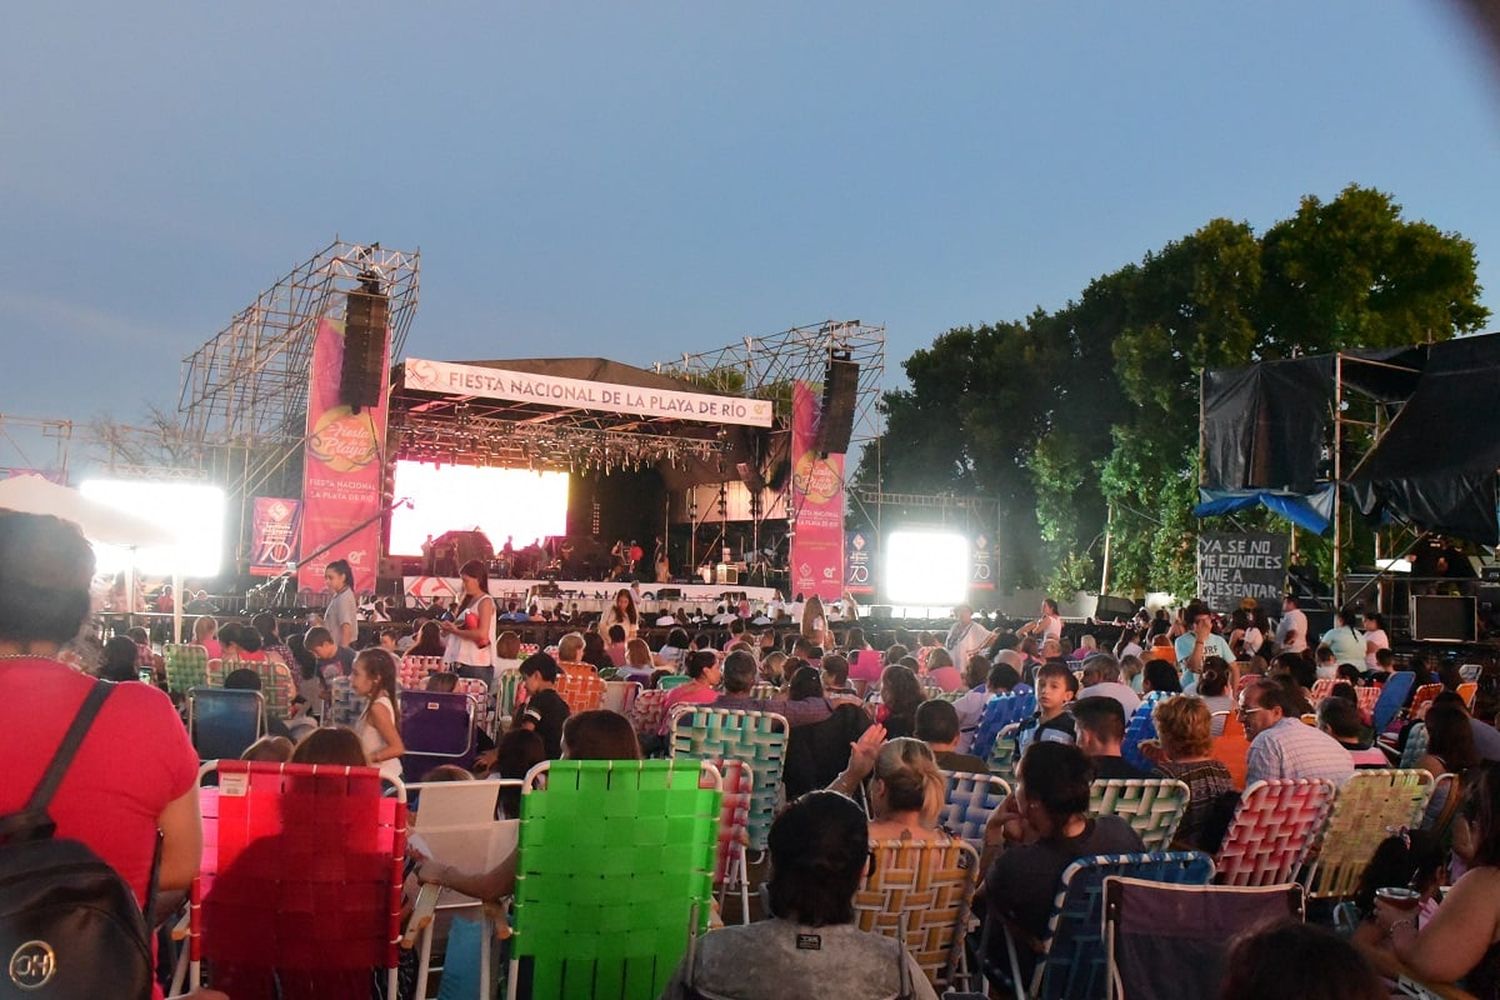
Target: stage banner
273, 535
1232, 567
981, 564
611, 397
817, 504
342, 470
859, 562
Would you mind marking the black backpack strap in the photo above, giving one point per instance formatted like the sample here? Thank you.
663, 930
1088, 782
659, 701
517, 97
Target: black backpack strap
68, 748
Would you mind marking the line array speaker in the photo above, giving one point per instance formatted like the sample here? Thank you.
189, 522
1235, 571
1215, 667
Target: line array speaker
366, 326
840, 390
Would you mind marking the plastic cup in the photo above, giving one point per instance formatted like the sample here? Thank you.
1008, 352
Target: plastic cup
1400, 897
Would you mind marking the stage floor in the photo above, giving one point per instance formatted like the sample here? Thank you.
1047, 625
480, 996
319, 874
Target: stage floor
589, 595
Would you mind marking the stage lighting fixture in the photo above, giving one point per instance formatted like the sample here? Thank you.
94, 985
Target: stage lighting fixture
926, 568
192, 512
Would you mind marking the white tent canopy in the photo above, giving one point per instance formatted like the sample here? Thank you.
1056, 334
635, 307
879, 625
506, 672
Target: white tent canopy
99, 522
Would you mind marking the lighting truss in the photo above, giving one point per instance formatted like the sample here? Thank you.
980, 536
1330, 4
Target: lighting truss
558, 447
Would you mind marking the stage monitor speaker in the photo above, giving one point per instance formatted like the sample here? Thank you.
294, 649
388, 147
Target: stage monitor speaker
1319, 621
1112, 608
1444, 619
840, 391
882, 611
366, 323
669, 594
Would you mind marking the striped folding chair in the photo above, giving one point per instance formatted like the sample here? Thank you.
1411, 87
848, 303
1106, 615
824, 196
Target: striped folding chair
484, 701
1392, 696
645, 714
731, 871
968, 801
999, 712
1273, 830
1152, 806
919, 893
1074, 962
620, 696
1322, 688
414, 670
276, 685
583, 691
1468, 691
614, 875
509, 693
1369, 807
1140, 728
215, 672
758, 738
1421, 700
187, 666
273, 911
344, 706
1367, 697
1416, 745
670, 681
1002, 760
764, 691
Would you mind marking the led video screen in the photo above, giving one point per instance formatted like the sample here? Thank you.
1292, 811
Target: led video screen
518, 504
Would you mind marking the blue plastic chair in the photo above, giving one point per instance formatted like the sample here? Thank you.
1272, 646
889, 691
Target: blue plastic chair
1138, 729
1000, 711
1392, 697
223, 722
1075, 962
437, 728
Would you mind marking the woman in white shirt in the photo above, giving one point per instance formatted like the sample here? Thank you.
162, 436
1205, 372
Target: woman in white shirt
341, 617
623, 614
1375, 639
471, 633
374, 678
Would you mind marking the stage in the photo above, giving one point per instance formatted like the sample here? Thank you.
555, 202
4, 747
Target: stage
589, 595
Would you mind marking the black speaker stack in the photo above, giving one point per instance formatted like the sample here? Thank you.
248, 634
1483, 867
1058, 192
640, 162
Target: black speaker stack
840, 390
367, 318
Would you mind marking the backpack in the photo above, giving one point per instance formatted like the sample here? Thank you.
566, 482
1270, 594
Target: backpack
69, 925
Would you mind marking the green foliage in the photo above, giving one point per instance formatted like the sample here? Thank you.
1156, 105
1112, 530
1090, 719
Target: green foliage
1067, 414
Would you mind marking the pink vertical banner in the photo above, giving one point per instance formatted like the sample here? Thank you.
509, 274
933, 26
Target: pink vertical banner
817, 504
273, 535
342, 472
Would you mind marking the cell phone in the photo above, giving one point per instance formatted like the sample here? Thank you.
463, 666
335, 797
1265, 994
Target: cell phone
146, 676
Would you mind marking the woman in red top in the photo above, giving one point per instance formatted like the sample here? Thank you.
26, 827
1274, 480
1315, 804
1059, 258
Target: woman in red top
135, 771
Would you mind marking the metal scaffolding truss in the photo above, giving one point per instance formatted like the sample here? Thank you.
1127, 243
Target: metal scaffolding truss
766, 366
247, 386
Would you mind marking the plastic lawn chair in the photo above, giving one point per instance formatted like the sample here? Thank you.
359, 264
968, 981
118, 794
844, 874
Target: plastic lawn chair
620, 696
1416, 745
1171, 940
756, 737
583, 692
645, 714
614, 876
1370, 805
1140, 728
1275, 827
670, 681
416, 669
1152, 806
274, 912
223, 723
999, 712
919, 893
1421, 700
437, 728
1232, 749
731, 871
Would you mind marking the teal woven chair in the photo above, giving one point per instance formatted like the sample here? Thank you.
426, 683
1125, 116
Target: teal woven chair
187, 666
1416, 745
758, 738
968, 801
670, 681
614, 876
1152, 806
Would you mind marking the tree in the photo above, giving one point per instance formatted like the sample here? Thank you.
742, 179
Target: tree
1070, 414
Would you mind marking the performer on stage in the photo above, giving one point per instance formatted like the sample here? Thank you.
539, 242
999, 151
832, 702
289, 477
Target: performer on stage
471, 634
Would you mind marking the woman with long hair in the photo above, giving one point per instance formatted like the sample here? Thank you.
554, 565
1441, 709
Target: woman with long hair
622, 613
471, 633
900, 694
941, 671
341, 617
906, 792
1450, 750
374, 679
429, 641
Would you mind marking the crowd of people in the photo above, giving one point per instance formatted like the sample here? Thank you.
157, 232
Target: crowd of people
912, 710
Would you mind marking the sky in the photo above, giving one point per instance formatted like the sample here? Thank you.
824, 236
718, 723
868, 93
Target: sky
639, 180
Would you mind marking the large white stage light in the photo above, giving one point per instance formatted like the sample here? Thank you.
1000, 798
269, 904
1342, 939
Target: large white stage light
193, 513
518, 504
926, 568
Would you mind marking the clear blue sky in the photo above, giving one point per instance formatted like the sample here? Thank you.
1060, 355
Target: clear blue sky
635, 180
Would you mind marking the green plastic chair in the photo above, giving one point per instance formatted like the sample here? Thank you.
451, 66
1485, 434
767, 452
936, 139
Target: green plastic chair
507, 688
1003, 756
670, 681
276, 684
757, 738
187, 666
614, 875
1152, 806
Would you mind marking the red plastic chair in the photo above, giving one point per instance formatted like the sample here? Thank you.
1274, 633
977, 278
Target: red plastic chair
300, 890
730, 871
1277, 824
1421, 701
415, 670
